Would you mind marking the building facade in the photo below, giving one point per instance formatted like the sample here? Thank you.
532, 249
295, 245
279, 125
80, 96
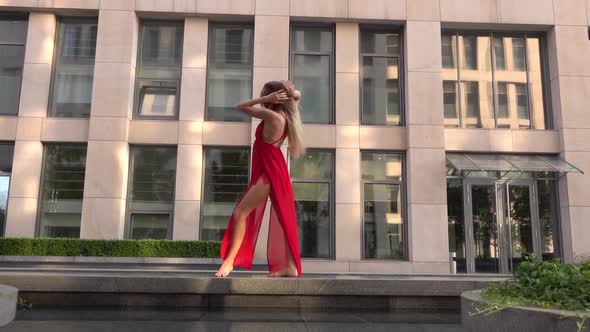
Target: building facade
442, 135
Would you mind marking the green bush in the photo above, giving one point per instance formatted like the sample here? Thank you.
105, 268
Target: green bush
107, 248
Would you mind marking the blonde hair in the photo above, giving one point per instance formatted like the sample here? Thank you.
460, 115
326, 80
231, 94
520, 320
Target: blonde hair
295, 134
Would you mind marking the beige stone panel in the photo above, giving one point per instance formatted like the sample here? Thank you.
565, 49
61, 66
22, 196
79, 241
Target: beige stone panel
552, 55
40, 38
426, 176
459, 139
323, 266
182, 6
429, 232
117, 4
240, 7
500, 140
381, 266
102, 218
431, 267
271, 41
112, 91
570, 12
261, 75
153, 132
272, 7
425, 98
190, 132
107, 166
578, 185
108, 128
576, 140
347, 136
566, 232
378, 9
380, 137
580, 230
29, 129
348, 176
556, 104
426, 136
423, 43
319, 136
479, 11
328, 8
526, 11
573, 50
188, 173
8, 126
186, 220
571, 102
194, 47
34, 95
588, 10
26, 169
19, 3
541, 141
562, 186
21, 217
423, 10
117, 37
347, 47
78, 4
347, 99
348, 229
192, 94
64, 130
225, 133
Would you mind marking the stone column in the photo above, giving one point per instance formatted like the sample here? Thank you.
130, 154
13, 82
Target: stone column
28, 150
569, 52
425, 180
107, 162
187, 203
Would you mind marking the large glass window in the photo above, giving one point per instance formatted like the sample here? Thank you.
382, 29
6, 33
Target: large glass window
312, 71
62, 190
157, 86
313, 186
225, 181
74, 68
380, 89
150, 199
383, 219
501, 78
6, 154
13, 31
229, 72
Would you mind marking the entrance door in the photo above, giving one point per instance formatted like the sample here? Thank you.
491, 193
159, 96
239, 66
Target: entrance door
482, 228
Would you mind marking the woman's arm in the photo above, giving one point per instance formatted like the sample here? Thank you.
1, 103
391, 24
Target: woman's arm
247, 106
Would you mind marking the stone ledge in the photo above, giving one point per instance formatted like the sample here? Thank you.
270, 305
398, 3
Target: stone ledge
8, 300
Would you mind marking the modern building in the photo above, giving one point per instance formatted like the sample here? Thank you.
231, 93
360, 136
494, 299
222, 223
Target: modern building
442, 134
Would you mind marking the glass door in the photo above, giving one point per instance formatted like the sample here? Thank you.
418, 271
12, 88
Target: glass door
4, 182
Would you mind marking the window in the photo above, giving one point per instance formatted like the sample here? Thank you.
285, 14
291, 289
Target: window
380, 89
6, 154
229, 71
383, 220
226, 179
157, 86
502, 80
150, 199
71, 94
450, 101
448, 51
62, 190
313, 186
312, 71
13, 31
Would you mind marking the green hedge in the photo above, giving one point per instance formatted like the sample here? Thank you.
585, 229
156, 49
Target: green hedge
107, 248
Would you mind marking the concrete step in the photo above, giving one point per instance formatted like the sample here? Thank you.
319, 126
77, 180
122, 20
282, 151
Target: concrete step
8, 301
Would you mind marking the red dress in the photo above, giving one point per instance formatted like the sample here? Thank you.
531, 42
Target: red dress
269, 164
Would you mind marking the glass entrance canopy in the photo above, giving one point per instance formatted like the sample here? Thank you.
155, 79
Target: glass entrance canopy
510, 163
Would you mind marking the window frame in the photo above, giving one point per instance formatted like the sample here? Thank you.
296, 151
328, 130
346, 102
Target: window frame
137, 87
129, 212
17, 16
226, 24
400, 64
9, 175
403, 196
331, 206
331, 55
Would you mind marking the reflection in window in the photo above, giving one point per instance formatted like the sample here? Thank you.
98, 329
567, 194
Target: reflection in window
6, 154
450, 102
225, 181
13, 30
448, 51
62, 190
547, 197
456, 223
499, 54
380, 54
470, 52
150, 198
382, 205
313, 183
229, 72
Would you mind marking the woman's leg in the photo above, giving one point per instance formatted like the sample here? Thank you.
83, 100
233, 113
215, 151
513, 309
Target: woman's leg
255, 195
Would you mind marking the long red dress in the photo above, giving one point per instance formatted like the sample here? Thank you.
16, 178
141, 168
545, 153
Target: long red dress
269, 164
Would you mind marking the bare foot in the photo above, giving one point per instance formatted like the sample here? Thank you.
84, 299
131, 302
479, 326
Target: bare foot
225, 269
289, 271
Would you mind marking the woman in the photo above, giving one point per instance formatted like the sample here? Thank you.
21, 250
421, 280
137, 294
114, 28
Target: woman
270, 177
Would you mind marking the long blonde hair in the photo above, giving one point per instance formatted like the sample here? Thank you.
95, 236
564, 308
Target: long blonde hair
295, 128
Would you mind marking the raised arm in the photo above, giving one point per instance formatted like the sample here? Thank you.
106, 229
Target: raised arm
249, 108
